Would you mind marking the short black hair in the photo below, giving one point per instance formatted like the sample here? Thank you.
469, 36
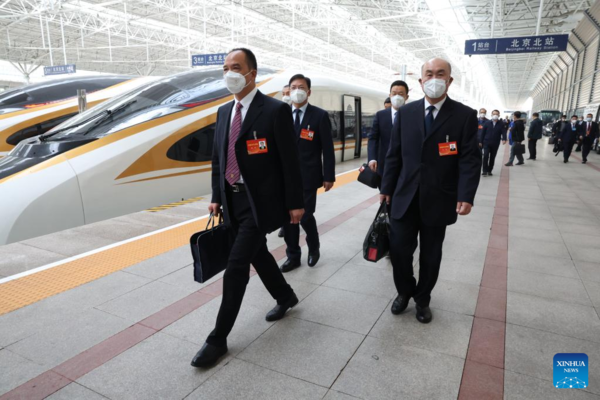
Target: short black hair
300, 76
574, 116
387, 101
517, 114
535, 115
564, 116
286, 86
498, 111
250, 57
591, 115
399, 83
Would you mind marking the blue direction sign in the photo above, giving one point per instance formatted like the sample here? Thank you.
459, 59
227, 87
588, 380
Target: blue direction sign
208, 59
60, 69
515, 45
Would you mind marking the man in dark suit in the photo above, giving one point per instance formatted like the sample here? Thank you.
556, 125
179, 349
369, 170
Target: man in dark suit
517, 136
535, 133
387, 103
590, 133
256, 178
312, 129
492, 133
379, 138
569, 135
431, 175
481, 120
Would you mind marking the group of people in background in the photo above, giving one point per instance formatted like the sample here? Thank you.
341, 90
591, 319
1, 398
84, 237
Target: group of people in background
577, 130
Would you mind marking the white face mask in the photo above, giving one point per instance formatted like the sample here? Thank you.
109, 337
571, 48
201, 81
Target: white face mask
434, 88
298, 96
482, 115
235, 82
397, 101
495, 117
588, 119
286, 99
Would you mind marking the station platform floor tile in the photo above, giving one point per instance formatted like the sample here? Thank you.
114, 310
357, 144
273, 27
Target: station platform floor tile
519, 283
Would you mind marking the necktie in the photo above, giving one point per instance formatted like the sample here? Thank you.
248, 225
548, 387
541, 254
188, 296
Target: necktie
232, 171
429, 120
589, 128
297, 111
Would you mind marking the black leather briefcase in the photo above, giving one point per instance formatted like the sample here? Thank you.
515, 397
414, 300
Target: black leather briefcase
368, 177
519, 149
210, 249
377, 242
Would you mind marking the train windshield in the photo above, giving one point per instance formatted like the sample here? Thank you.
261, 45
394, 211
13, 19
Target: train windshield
40, 94
548, 116
151, 101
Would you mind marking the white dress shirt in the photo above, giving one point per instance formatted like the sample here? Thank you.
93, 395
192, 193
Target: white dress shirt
438, 106
302, 112
246, 101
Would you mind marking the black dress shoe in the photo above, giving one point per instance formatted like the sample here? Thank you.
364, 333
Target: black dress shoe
280, 234
508, 165
484, 174
520, 163
490, 174
279, 311
313, 258
400, 304
584, 161
290, 265
566, 161
424, 315
208, 355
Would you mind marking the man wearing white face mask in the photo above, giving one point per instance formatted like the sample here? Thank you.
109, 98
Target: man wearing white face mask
480, 123
285, 95
431, 176
256, 178
317, 164
379, 137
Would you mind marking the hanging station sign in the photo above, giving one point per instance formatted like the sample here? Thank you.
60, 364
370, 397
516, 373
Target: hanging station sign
201, 60
60, 69
516, 45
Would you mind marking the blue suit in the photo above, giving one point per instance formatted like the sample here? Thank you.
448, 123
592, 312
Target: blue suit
491, 135
379, 138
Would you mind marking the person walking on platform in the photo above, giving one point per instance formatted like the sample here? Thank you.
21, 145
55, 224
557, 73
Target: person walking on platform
517, 135
431, 176
480, 123
317, 164
492, 133
379, 138
387, 103
569, 135
591, 133
285, 95
558, 126
256, 178
534, 134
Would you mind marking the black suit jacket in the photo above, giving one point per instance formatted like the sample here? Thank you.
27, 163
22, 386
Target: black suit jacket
316, 169
535, 129
480, 125
567, 135
272, 179
517, 133
491, 135
379, 138
594, 132
413, 162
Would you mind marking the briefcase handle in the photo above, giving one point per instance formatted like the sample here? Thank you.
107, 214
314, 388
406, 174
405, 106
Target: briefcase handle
211, 219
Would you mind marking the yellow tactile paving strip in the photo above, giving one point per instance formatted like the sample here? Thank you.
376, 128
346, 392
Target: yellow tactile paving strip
33, 288
175, 204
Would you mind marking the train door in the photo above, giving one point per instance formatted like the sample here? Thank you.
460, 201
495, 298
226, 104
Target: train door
351, 127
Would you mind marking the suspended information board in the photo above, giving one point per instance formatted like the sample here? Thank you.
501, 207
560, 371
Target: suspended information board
208, 59
60, 69
516, 45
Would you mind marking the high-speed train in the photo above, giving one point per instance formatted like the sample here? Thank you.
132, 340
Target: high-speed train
32, 110
148, 147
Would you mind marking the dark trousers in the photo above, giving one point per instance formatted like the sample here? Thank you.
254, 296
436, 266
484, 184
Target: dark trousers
250, 246
403, 243
309, 224
586, 147
568, 148
532, 149
489, 156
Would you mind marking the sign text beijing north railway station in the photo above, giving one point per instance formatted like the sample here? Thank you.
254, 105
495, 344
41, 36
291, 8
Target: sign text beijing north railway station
200, 60
515, 45
60, 69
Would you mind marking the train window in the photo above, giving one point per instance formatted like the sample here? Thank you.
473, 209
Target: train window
335, 125
37, 129
195, 147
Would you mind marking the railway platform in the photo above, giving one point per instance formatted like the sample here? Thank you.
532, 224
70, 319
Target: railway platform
111, 311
